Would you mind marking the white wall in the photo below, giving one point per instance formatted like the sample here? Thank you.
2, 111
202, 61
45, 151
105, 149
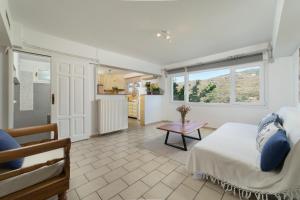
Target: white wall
51, 45
6, 31
280, 83
3, 89
153, 108
33, 38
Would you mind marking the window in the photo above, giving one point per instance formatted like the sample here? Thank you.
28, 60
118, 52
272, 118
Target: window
247, 84
211, 86
229, 85
178, 88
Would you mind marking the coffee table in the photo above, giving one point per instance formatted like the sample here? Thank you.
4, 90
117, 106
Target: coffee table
184, 130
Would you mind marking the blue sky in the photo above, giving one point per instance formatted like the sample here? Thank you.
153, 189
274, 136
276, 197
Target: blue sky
205, 75
208, 74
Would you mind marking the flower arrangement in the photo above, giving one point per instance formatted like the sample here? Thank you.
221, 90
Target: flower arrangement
154, 88
183, 111
147, 85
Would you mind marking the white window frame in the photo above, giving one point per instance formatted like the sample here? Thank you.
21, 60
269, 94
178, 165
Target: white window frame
171, 86
261, 101
233, 102
206, 70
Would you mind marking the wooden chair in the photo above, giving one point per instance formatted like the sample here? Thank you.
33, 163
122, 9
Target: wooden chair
57, 185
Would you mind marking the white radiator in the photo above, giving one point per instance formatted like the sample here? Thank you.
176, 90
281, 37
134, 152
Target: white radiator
112, 113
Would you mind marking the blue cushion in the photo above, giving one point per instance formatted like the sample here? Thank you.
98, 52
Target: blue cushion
6, 143
274, 151
270, 118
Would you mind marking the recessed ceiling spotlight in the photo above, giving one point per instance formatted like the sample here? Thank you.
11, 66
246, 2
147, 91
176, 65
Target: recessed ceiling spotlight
164, 34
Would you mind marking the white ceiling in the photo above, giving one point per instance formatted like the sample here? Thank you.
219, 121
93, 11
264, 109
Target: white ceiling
199, 27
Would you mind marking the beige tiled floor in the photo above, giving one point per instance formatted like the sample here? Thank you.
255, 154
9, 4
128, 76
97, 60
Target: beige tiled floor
118, 167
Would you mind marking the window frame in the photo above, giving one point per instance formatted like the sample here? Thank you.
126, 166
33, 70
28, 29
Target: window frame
261, 101
207, 70
171, 86
232, 102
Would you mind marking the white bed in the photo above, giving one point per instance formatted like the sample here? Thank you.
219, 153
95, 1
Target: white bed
229, 156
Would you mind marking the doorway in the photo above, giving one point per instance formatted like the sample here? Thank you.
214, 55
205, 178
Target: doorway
31, 90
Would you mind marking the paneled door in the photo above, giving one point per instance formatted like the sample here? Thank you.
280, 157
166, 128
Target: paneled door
70, 97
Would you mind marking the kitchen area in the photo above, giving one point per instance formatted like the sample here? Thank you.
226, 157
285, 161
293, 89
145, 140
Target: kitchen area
124, 99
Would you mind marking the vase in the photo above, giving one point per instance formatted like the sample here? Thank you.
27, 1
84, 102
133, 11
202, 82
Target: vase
183, 118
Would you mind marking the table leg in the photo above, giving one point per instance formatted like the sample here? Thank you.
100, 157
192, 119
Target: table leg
199, 134
184, 144
172, 145
167, 137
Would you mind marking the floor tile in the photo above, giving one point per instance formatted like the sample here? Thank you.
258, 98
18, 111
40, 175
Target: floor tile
182, 169
153, 178
167, 168
161, 159
112, 189
118, 156
102, 162
117, 197
120, 168
194, 184
93, 153
214, 186
132, 150
92, 174
147, 157
134, 176
72, 195
90, 187
133, 156
115, 174
134, 191
207, 193
183, 193
150, 166
93, 196
105, 154
133, 165
173, 179
229, 196
86, 161
118, 163
77, 181
159, 191
81, 170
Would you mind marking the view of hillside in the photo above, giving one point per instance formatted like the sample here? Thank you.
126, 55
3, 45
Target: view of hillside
247, 86
216, 89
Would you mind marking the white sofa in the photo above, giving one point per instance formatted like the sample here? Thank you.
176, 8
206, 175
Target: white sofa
229, 157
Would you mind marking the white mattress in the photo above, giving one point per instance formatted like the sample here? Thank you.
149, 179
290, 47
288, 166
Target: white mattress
28, 179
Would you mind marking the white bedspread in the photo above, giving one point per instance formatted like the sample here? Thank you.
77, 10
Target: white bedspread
230, 155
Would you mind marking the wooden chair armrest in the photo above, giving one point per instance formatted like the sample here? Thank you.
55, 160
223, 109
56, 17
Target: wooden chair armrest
34, 130
35, 149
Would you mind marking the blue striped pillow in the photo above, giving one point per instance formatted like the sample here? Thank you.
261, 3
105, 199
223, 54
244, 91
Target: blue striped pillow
270, 118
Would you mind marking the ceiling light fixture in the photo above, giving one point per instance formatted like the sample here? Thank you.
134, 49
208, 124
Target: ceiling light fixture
164, 34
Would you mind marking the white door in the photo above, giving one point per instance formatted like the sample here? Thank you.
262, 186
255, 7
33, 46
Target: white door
71, 97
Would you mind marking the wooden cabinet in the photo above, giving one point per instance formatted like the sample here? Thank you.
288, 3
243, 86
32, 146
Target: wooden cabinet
133, 109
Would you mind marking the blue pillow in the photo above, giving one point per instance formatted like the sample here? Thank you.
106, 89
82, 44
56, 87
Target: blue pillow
274, 151
6, 143
270, 118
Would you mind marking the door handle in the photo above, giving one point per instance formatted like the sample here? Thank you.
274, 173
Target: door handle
53, 99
